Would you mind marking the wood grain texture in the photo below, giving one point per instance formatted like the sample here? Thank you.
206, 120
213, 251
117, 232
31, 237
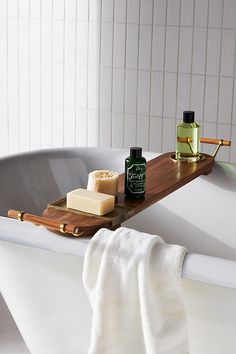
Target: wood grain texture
87, 224
164, 176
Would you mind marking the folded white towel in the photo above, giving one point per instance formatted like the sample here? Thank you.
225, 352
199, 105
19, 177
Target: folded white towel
133, 281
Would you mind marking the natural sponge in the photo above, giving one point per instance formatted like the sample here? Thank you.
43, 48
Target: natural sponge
103, 181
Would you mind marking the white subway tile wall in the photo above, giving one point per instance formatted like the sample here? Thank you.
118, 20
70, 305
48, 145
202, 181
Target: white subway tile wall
115, 73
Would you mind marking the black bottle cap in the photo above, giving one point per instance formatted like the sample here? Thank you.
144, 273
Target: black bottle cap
135, 152
188, 116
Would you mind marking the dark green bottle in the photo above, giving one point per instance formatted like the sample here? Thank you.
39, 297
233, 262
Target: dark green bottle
135, 174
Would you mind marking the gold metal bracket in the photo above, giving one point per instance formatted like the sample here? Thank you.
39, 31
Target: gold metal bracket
62, 228
20, 215
221, 143
186, 140
77, 233
218, 142
173, 158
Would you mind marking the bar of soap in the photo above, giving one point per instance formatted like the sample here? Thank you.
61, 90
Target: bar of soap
103, 181
90, 202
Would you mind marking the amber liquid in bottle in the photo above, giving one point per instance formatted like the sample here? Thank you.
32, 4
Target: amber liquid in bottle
188, 139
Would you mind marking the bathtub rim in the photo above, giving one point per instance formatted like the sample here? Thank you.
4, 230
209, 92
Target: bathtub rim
197, 267
54, 150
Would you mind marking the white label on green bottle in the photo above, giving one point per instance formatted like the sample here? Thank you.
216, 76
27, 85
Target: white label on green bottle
136, 178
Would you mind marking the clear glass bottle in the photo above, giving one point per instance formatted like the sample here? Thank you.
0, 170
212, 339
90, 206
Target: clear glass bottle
135, 174
188, 139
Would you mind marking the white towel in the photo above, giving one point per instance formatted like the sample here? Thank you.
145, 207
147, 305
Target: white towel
133, 281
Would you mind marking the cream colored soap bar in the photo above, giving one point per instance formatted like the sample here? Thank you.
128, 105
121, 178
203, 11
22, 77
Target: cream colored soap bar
103, 181
90, 202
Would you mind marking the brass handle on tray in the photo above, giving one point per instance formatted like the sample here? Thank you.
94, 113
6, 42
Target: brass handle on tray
221, 142
48, 223
218, 142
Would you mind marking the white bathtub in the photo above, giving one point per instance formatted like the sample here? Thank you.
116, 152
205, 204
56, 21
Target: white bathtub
200, 216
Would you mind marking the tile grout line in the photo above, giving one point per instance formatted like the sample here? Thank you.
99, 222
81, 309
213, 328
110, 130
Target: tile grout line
219, 77
205, 74
191, 66
232, 105
63, 75
133, 23
30, 144
88, 37
99, 74
108, 110
125, 58
18, 83
150, 76
40, 80
163, 80
7, 88
137, 87
75, 87
112, 61
120, 67
177, 70
156, 116
52, 110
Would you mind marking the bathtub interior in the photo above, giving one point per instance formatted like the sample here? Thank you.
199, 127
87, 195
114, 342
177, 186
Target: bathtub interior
199, 216
29, 181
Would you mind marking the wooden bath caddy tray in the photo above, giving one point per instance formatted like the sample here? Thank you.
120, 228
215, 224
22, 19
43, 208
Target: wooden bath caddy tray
164, 176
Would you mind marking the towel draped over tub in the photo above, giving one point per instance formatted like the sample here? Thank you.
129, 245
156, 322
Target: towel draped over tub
133, 281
